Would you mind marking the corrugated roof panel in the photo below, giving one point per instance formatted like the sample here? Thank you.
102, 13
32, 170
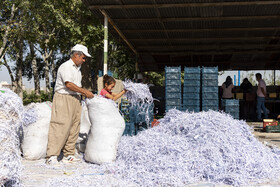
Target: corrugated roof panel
141, 13
143, 25
135, 2
252, 10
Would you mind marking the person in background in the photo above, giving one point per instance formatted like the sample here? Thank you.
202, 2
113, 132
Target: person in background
109, 83
261, 93
246, 86
227, 87
66, 109
249, 98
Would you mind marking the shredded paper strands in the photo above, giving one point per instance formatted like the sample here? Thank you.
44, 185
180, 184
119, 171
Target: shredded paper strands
140, 97
187, 148
11, 110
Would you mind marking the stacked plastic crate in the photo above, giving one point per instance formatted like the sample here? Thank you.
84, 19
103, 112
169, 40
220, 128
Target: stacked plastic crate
129, 117
191, 90
173, 90
231, 106
210, 97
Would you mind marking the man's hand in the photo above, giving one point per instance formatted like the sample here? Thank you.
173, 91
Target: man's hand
88, 94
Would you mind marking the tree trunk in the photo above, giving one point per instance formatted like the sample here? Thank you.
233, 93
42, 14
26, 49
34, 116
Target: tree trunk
46, 58
19, 65
35, 70
53, 69
10, 73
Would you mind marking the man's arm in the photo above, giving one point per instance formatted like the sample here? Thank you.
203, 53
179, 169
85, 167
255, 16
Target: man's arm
73, 87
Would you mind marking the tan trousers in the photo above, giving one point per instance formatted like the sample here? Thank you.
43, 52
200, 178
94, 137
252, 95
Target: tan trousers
65, 124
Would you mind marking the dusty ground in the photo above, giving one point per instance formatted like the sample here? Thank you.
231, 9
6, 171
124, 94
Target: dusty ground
36, 173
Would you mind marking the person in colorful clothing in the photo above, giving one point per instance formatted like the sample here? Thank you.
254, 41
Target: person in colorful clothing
109, 83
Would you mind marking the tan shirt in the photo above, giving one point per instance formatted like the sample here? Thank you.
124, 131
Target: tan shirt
68, 72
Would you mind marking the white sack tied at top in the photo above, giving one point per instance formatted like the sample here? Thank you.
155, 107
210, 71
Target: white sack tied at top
84, 129
107, 126
35, 139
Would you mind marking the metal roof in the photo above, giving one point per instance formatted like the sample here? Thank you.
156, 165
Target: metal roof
237, 35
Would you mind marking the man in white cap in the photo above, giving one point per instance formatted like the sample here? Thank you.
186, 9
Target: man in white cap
66, 109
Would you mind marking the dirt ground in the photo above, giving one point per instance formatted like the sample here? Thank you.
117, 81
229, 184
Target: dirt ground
35, 173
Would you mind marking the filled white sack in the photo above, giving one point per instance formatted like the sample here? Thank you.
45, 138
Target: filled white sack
84, 129
107, 126
35, 140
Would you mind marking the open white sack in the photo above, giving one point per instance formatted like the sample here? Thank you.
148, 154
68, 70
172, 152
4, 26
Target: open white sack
84, 129
35, 140
107, 126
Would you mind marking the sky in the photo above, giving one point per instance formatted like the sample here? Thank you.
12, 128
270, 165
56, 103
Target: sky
4, 76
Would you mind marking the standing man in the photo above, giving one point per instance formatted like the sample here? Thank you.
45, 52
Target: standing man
66, 109
261, 93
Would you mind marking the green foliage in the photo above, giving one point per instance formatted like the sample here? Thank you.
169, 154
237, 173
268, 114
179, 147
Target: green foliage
154, 78
33, 98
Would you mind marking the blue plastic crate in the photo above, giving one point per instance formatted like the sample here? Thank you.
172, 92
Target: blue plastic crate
192, 70
176, 88
191, 102
206, 108
191, 76
231, 109
207, 89
210, 82
176, 69
191, 82
191, 108
173, 76
129, 129
209, 69
209, 76
173, 82
171, 102
173, 95
230, 102
210, 102
191, 89
191, 95
210, 95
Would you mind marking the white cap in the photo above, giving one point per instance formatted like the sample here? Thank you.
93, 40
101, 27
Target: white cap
82, 48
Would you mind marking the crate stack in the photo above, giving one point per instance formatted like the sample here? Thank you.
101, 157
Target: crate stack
129, 117
231, 106
141, 122
209, 86
191, 89
173, 90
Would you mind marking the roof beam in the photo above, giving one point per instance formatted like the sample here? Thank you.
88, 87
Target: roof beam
204, 47
205, 39
171, 5
119, 31
202, 29
173, 19
213, 52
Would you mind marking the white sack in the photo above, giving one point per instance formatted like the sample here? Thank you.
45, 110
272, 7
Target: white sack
35, 140
84, 129
106, 130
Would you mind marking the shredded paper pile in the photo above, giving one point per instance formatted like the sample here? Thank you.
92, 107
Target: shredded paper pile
11, 110
187, 148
